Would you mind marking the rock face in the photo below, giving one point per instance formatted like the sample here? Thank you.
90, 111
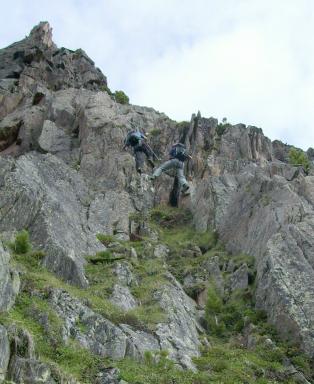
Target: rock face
262, 211
65, 178
180, 334
4, 353
9, 281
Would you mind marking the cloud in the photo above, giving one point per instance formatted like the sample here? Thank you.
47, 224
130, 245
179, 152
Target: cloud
248, 60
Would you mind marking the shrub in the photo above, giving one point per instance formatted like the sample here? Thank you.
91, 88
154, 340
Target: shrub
155, 132
221, 128
121, 97
299, 158
21, 244
105, 239
105, 88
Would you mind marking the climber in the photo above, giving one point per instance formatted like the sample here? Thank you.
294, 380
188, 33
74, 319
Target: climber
136, 140
177, 156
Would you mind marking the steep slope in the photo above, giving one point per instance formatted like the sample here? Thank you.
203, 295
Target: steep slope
65, 178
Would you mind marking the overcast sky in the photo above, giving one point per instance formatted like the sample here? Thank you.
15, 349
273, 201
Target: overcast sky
251, 61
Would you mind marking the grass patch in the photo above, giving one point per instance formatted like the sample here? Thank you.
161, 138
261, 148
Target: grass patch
229, 365
158, 369
105, 239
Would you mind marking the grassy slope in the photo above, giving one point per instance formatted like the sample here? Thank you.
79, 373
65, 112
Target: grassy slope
223, 359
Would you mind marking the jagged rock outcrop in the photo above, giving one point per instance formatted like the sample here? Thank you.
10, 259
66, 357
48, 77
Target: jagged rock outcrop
65, 178
9, 281
178, 334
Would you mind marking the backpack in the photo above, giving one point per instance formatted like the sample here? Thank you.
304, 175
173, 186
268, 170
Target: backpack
134, 137
178, 151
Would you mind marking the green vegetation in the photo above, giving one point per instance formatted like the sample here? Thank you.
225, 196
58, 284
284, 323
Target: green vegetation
158, 369
224, 357
21, 245
121, 97
155, 132
105, 239
71, 359
183, 126
222, 127
105, 88
231, 364
299, 158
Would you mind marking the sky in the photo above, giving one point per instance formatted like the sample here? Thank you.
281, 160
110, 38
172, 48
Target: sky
251, 61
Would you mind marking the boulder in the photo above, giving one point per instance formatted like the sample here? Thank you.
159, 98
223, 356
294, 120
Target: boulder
122, 298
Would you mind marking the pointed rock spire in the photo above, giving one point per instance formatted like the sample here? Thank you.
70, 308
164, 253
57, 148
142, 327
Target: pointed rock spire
41, 34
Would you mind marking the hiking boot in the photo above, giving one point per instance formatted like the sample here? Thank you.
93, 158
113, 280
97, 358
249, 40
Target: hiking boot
139, 170
151, 163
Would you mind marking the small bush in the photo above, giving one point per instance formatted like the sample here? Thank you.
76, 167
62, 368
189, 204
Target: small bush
105, 239
155, 132
221, 128
299, 158
21, 244
105, 88
121, 97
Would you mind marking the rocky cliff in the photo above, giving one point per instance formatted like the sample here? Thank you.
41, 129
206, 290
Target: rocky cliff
114, 273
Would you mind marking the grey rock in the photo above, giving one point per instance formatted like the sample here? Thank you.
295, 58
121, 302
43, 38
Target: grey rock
214, 274
24, 368
29, 371
296, 376
36, 59
100, 335
22, 343
53, 139
4, 353
9, 281
124, 274
284, 284
179, 335
161, 251
122, 298
239, 279
109, 376
139, 342
44, 195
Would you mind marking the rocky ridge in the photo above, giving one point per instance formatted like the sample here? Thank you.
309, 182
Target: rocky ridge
65, 178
